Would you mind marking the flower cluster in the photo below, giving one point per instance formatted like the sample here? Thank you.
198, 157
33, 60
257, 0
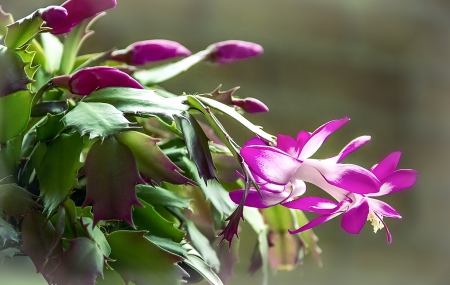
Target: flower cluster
282, 170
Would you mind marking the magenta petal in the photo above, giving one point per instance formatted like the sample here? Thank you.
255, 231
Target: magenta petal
287, 144
349, 177
388, 233
350, 147
319, 137
254, 199
383, 209
315, 222
317, 205
298, 187
255, 141
387, 165
354, 219
271, 164
399, 180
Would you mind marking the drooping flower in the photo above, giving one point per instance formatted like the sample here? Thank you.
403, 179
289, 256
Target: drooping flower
63, 18
142, 52
233, 50
89, 79
355, 208
288, 165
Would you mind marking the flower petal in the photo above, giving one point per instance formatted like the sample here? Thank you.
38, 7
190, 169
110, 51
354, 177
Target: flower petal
315, 222
319, 137
349, 148
354, 218
254, 199
317, 205
383, 209
287, 144
387, 165
399, 180
255, 141
271, 164
349, 177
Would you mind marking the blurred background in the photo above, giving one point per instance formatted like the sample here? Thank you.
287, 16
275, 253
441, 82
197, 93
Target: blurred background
384, 64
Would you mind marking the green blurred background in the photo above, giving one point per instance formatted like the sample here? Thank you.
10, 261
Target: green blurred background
384, 64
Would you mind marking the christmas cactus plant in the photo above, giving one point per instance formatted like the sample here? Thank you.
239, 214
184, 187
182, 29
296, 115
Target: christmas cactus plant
107, 177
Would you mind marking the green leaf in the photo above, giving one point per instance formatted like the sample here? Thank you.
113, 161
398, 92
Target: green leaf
235, 115
8, 253
80, 264
140, 261
256, 221
147, 218
202, 244
49, 107
191, 257
9, 159
14, 114
140, 102
158, 196
53, 50
24, 30
28, 54
151, 161
49, 127
197, 147
16, 201
57, 171
213, 191
38, 237
308, 237
7, 232
112, 174
5, 19
96, 119
96, 235
162, 73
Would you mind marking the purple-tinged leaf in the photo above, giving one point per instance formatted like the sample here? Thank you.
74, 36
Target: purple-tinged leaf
140, 261
16, 201
80, 264
151, 160
57, 171
38, 236
197, 147
284, 250
112, 175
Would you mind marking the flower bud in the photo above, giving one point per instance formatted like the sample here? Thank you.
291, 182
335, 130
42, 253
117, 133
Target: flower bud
87, 80
140, 53
234, 50
63, 18
250, 105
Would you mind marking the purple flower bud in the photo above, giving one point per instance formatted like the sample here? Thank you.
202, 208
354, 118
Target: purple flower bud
250, 105
233, 50
87, 80
140, 53
61, 81
63, 18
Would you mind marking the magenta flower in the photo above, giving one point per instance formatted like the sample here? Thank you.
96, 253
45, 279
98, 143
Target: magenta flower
355, 208
89, 79
140, 53
282, 170
63, 18
230, 51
